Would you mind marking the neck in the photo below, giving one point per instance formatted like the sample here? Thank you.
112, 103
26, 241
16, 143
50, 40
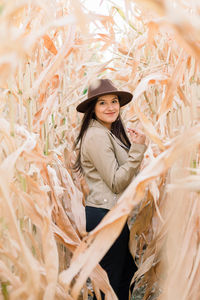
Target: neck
107, 125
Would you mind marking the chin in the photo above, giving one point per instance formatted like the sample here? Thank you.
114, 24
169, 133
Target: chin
110, 121
114, 119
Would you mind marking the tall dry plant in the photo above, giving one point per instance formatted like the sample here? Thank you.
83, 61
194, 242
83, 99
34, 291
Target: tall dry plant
50, 52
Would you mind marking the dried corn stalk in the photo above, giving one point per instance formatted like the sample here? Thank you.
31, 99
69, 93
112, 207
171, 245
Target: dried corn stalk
50, 52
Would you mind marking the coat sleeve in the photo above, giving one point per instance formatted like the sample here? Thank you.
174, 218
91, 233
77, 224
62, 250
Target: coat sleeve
100, 152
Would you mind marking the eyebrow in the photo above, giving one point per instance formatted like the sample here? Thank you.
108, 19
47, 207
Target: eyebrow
115, 97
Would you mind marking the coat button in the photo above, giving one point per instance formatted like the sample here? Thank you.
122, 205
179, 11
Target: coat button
105, 200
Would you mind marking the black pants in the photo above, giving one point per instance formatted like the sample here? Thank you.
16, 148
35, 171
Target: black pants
117, 262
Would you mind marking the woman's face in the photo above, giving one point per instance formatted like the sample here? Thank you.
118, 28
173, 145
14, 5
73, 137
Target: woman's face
107, 109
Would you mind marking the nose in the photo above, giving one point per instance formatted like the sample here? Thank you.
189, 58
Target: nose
110, 106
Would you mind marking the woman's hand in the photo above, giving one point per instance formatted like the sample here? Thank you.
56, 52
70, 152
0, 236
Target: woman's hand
136, 136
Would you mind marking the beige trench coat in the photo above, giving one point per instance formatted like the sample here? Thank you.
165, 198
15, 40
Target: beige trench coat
108, 165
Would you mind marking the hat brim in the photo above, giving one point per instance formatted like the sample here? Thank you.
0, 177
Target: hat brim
124, 98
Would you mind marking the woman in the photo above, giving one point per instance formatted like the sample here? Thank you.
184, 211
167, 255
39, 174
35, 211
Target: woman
109, 162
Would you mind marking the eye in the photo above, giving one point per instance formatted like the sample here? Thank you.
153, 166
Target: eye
101, 102
115, 101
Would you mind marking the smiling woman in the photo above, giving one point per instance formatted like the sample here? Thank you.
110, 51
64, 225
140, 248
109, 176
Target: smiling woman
109, 161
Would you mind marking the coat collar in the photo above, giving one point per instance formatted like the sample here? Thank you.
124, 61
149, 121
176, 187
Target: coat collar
95, 123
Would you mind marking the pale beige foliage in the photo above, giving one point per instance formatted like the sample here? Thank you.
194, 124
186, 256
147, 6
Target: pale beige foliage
50, 52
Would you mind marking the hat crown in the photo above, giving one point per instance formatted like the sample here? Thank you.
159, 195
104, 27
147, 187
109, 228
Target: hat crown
101, 86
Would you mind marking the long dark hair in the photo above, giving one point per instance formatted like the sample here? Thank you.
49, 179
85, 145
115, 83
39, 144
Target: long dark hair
117, 129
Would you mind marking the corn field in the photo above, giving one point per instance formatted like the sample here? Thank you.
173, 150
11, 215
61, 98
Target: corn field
50, 51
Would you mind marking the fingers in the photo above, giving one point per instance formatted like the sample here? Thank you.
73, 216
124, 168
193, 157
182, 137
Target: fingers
135, 131
136, 136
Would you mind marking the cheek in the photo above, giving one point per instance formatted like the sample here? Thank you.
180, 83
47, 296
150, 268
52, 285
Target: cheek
118, 108
97, 110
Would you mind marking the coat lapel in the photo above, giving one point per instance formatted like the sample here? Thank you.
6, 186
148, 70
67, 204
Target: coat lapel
118, 141
95, 123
